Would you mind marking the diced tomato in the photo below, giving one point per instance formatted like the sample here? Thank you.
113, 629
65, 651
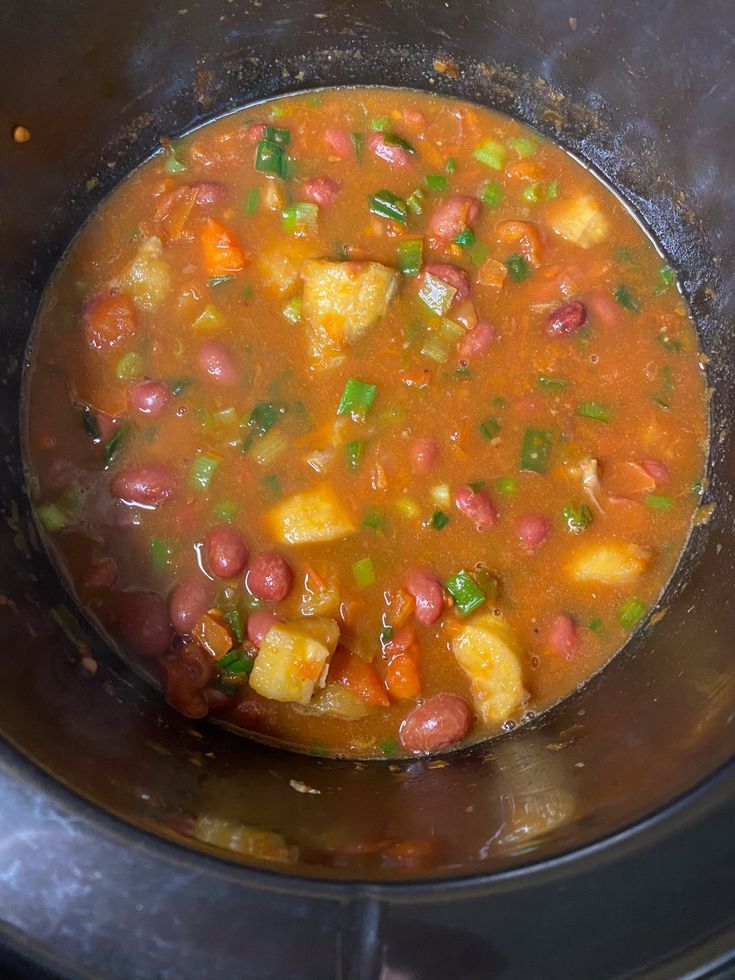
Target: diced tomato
223, 254
358, 676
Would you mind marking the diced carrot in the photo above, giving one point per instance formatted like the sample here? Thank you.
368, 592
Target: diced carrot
525, 234
181, 212
525, 169
349, 612
402, 676
400, 606
492, 273
358, 676
213, 635
222, 253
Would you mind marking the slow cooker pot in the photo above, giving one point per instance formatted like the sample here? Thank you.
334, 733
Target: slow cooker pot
594, 842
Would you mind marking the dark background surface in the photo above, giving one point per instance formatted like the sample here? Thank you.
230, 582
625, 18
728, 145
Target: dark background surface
644, 91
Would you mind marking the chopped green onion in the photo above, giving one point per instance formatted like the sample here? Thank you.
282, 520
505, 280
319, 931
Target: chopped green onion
380, 125
251, 202
162, 553
90, 424
552, 190
262, 418
478, 253
672, 344
364, 572
275, 135
389, 746
234, 621
266, 449
450, 167
272, 486
292, 309
248, 292
300, 218
407, 507
476, 485
354, 451
356, 399
626, 299
490, 428
466, 237
492, 194
410, 254
490, 153
202, 470
523, 147
174, 164
391, 139
52, 517
129, 366
552, 384
487, 583
536, 450
179, 385
270, 158
386, 204
518, 268
656, 502
386, 634
374, 520
225, 511
116, 442
465, 591
416, 201
277, 111
577, 517
631, 612
357, 141
667, 277
594, 410
436, 183
435, 348
624, 255
596, 624
440, 495
507, 485
533, 193
438, 520
208, 318
697, 487
436, 294
215, 281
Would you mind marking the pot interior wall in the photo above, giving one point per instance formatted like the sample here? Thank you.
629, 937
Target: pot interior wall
657, 721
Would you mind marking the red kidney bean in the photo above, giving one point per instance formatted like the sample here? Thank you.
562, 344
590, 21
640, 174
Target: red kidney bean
453, 276
423, 454
188, 672
453, 216
259, 622
563, 636
429, 595
101, 574
149, 485
149, 397
477, 341
339, 142
143, 624
255, 133
225, 552
477, 506
566, 319
217, 363
656, 470
392, 153
269, 577
438, 722
188, 602
320, 190
208, 192
533, 530
109, 321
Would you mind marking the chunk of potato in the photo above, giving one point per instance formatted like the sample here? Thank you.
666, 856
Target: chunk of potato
341, 301
335, 699
312, 515
148, 278
608, 563
321, 601
243, 839
580, 220
489, 652
293, 658
278, 267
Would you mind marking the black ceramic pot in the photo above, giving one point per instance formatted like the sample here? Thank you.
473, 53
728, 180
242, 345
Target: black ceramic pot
595, 843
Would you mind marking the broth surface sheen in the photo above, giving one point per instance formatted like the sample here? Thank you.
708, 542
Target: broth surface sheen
366, 421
